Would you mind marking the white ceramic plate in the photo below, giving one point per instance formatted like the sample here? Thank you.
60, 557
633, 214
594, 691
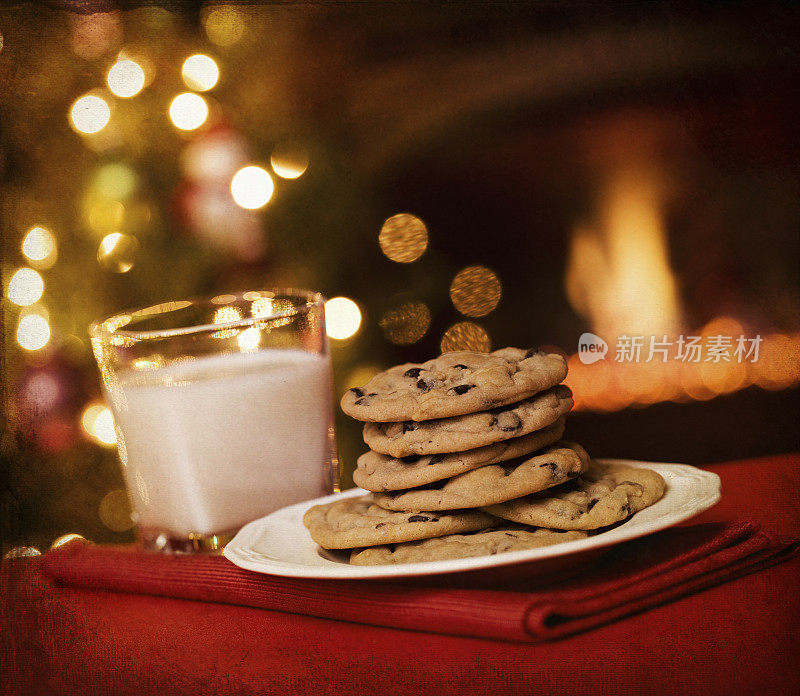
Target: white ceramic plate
279, 544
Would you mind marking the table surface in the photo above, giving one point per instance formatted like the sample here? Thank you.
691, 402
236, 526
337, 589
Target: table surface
738, 638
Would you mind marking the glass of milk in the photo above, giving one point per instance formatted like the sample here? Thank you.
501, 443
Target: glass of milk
223, 411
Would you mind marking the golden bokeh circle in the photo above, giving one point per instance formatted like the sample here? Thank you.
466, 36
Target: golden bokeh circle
225, 25
466, 335
22, 552
403, 238
115, 511
117, 252
406, 324
289, 160
475, 291
66, 539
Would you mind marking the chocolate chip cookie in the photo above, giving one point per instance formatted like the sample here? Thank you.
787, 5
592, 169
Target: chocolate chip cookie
454, 384
380, 472
352, 522
605, 494
482, 543
445, 435
494, 483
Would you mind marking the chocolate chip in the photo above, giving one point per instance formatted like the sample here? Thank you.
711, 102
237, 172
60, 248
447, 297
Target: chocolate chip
360, 401
358, 392
435, 459
380, 524
424, 386
462, 388
461, 367
413, 373
435, 486
554, 469
418, 518
509, 534
373, 394
592, 503
508, 421
409, 426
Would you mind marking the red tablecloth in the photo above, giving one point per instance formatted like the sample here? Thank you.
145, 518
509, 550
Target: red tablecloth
737, 638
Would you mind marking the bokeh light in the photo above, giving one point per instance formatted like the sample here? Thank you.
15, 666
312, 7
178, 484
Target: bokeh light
90, 114
466, 335
33, 331
200, 72
215, 157
97, 422
778, 365
342, 317
66, 539
115, 180
252, 187
39, 247
22, 552
104, 429
226, 315
475, 291
261, 306
403, 238
95, 34
126, 78
103, 214
224, 25
115, 511
289, 160
188, 111
117, 252
406, 324
40, 392
249, 339
269, 307
25, 287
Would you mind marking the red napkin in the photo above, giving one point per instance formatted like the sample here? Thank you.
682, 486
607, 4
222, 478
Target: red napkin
631, 577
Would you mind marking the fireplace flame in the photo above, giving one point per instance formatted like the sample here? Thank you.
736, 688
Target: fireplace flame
618, 272
619, 278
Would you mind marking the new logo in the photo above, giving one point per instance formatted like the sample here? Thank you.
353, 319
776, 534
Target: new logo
591, 348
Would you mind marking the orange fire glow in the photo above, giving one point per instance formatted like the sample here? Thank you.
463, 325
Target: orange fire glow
619, 278
608, 385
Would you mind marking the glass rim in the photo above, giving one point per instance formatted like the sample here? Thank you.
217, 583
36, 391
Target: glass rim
113, 324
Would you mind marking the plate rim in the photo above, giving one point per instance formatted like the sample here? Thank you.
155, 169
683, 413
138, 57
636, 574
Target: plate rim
236, 550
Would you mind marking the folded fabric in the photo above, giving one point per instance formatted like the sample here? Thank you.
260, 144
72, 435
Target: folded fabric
629, 578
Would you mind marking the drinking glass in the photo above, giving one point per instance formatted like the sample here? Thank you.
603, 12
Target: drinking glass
223, 411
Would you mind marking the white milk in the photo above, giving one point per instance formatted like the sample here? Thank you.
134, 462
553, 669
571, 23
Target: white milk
219, 441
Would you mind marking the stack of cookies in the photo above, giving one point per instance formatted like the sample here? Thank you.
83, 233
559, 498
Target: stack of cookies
466, 459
